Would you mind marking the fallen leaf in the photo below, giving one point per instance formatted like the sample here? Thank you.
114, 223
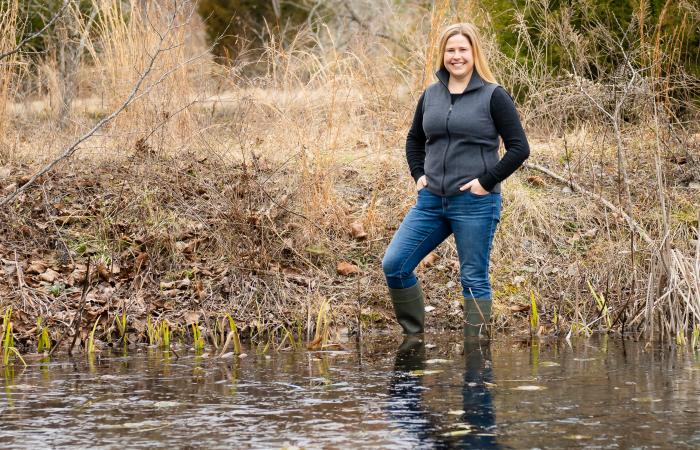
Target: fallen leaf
199, 289
49, 276
536, 181
171, 293
191, 317
357, 230
519, 308
140, 262
430, 259
36, 267
103, 272
346, 269
184, 283
10, 188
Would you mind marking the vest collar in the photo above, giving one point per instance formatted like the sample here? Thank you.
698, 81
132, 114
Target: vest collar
475, 82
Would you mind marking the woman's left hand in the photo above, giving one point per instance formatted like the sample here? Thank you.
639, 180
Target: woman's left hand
475, 187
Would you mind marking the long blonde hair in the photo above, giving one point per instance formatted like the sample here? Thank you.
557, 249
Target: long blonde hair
469, 31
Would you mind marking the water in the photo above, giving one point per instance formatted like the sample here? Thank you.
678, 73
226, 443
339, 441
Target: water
441, 393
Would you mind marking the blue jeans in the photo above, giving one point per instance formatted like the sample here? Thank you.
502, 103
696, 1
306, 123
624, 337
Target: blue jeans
471, 218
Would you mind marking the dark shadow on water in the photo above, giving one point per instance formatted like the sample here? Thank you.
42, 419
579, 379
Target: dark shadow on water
408, 411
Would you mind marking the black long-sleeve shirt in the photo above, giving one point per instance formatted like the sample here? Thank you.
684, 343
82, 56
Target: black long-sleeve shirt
505, 118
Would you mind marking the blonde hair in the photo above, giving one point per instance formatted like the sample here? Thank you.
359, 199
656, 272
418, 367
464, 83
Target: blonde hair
469, 31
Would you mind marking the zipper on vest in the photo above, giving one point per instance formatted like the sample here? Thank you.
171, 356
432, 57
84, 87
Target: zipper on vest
444, 156
483, 160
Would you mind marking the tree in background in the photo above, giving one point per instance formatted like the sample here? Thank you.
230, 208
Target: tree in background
234, 25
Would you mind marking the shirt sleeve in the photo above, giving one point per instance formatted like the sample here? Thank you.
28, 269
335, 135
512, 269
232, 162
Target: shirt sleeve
505, 118
415, 143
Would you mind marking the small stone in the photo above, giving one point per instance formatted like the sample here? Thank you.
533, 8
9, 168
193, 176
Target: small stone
566, 190
450, 284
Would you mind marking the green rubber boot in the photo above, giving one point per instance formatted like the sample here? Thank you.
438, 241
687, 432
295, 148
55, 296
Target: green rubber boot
477, 317
409, 308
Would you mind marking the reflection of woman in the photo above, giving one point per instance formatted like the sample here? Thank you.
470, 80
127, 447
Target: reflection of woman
452, 152
406, 406
406, 393
476, 397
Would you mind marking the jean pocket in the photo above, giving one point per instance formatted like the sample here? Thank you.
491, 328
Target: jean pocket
478, 195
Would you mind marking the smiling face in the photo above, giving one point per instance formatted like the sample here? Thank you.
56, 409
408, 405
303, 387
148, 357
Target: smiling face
458, 58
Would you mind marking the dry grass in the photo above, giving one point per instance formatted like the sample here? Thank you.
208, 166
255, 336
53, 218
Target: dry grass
221, 193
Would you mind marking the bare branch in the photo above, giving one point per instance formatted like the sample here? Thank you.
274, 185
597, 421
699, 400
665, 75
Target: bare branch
132, 97
24, 41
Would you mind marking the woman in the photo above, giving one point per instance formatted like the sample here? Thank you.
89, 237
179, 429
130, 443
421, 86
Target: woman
452, 152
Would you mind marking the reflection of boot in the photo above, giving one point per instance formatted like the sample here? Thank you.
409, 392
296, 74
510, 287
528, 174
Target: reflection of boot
409, 309
477, 317
410, 354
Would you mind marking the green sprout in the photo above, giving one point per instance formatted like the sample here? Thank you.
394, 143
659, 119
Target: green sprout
43, 338
8, 341
534, 316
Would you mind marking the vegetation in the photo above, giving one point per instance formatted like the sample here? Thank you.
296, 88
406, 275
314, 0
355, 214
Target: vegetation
202, 187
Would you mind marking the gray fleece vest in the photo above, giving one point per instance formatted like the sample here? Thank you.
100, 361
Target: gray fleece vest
461, 139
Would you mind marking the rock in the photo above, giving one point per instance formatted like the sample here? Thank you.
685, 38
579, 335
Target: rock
566, 190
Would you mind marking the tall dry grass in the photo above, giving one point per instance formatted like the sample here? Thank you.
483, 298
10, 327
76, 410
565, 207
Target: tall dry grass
8, 41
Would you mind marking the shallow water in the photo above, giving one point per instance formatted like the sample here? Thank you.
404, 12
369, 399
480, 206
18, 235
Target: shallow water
595, 393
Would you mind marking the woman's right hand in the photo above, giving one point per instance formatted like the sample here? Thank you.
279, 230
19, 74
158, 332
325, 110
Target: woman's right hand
421, 183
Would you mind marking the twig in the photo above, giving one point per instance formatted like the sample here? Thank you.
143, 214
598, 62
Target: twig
83, 297
576, 187
79, 315
132, 97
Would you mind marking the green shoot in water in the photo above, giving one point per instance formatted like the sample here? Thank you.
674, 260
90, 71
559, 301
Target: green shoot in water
197, 338
534, 316
602, 306
164, 334
234, 334
151, 331
680, 339
43, 338
695, 336
91, 339
8, 341
322, 330
121, 324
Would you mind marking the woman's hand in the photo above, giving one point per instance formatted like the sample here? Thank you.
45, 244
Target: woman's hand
474, 187
421, 183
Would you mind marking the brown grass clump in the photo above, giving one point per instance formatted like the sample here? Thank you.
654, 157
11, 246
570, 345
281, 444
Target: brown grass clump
218, 193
